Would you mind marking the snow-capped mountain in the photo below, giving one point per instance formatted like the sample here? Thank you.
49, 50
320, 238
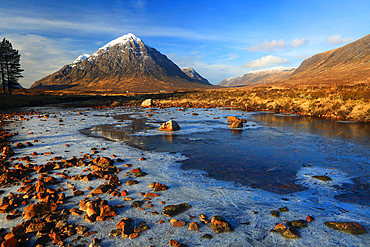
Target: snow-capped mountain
258, 77
124, 64
194, 75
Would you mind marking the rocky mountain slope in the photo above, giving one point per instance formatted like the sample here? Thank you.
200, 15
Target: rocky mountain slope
194, 75
257, 78
349, 64
124, 64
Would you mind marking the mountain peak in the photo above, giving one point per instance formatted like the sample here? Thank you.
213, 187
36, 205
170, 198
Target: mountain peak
122, 41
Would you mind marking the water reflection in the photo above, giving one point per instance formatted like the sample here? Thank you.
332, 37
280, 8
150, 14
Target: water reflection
267, 158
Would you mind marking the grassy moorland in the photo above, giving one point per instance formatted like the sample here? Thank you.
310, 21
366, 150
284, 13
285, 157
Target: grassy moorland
339, 102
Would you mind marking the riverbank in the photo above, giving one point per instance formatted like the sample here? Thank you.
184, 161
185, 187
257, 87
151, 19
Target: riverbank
348, 103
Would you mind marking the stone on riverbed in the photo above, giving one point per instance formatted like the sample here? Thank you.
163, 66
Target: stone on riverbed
348, 227
169, 126
219, 224
172, 210
322, 178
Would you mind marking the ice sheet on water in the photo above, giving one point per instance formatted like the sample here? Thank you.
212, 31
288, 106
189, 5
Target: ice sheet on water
238, 204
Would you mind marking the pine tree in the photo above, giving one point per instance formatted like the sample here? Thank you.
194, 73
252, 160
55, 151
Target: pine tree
10, 67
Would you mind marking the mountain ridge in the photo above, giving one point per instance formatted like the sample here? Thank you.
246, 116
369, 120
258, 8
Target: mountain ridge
124, 64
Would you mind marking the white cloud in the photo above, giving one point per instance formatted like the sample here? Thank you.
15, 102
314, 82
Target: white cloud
140, 4
337, 39
230, 56
269, 46
266, 61
40, 56
299, 42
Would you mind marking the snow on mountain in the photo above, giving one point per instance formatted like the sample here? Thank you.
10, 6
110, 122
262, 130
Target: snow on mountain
258, 77
273, 70
81, 58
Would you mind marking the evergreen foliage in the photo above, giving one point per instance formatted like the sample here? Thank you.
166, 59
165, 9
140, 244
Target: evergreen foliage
10, 67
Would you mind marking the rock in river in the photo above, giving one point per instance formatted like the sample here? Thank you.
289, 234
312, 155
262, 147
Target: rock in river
348, 227
169, 126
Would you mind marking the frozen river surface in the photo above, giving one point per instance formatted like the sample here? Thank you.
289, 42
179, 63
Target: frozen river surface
241, 175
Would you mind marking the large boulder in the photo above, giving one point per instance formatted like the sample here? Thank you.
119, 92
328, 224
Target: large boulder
147, 103
348, 227
169, 126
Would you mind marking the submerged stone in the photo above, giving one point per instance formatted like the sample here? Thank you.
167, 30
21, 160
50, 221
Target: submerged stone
298, 223
172, 210
322, 177
290, 232
348, 227
275, 213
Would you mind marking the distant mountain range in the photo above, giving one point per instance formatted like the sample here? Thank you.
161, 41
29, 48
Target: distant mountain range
124, 64
349, 64
258, 78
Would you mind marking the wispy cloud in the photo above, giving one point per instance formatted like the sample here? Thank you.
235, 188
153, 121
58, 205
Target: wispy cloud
337, 39
230, 56
140, 4
40, 56
269, 46
266, 61
299, 42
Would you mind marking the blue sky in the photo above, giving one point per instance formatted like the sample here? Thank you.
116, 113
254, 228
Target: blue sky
219, 39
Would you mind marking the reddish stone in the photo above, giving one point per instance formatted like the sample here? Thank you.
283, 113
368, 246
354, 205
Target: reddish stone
149, 194
10, 242
236, 124
193, 226
160, 187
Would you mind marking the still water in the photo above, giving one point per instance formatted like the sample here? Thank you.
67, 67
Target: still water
272, 152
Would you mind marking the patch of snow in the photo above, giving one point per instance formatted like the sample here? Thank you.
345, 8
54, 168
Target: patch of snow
80, 59
272, 70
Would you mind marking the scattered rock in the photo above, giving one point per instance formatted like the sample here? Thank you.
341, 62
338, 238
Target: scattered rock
179, 223
290, 232
298, 223
275, 213
137, 204
348, 227
172, 210
39, 209
193, 226
204, 219
207, 236
169, 126
219, 224
309, 219
280, 228
283, 209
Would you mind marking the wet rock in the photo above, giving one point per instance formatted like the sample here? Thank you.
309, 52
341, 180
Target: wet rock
10, 242
290, 232
140, 174
283, 209
275, 213
207, 236
115, 232
137, 204
204, 219
158, 186
236, 124
143, 227
169, 126
231, 119
147, 103
219, 224
322, 178
126, 231
131, 182
309, 218
179, 223
172, 210
280, 228
298, 223
133, 235
348, 227
149, 194
193, 226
